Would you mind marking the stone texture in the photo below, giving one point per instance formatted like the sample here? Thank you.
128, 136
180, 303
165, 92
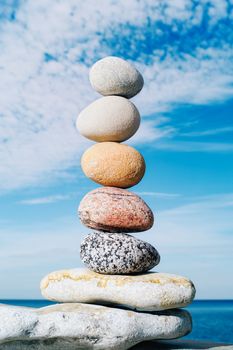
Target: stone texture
115, 76
80, 326
113, 164
111, 118
117, 253
144, 292
115, 210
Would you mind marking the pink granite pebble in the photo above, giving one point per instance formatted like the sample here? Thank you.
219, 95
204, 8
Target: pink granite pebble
115, 210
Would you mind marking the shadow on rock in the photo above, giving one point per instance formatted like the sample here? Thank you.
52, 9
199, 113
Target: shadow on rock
64, 344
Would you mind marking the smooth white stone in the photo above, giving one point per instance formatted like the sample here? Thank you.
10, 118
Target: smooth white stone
115, 76
81, 326
144, 292
110, 118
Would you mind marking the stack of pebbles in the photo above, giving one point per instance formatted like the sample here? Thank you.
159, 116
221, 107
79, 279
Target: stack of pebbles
117, 262
112, 211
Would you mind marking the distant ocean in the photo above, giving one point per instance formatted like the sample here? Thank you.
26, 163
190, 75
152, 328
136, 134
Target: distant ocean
212, 319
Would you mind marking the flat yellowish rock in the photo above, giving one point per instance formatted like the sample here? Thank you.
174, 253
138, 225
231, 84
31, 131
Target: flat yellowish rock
145, 292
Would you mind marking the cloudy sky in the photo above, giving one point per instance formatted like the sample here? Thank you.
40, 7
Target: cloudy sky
184, 50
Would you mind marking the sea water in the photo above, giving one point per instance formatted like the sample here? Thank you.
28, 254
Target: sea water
212, 319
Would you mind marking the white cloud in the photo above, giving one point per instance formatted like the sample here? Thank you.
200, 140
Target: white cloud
45, 200
204, 204
44, 76
208, 132
152, 130
183, 146
159, 194
190, 79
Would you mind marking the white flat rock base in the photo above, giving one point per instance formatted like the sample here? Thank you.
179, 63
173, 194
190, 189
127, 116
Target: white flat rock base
81, 326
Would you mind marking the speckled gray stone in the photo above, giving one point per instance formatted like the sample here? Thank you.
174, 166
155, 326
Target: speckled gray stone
117, 253
115, 76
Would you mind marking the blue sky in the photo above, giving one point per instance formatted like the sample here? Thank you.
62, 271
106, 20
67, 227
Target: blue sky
184, 50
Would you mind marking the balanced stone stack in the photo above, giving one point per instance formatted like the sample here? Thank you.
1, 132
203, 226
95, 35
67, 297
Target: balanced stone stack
117, 263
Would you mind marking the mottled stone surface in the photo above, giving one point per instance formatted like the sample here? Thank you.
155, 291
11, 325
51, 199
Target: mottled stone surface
145, 292
80, 326
115, 210
111, 118
113, 164
117, 253
115, 76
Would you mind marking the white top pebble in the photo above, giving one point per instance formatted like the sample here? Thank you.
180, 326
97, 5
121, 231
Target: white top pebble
115, 76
